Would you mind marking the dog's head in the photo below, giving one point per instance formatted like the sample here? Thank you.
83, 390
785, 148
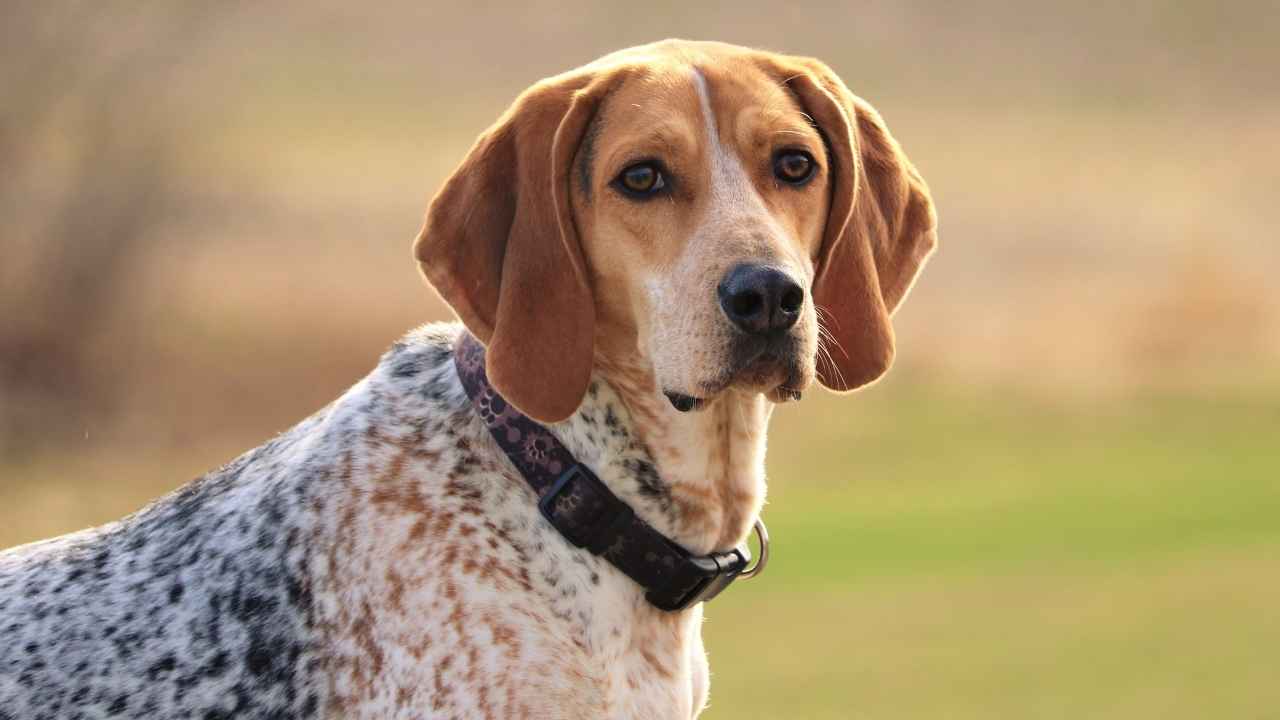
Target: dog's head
732, 218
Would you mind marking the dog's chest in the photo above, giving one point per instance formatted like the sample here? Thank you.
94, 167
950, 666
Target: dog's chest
443, 590
473, 608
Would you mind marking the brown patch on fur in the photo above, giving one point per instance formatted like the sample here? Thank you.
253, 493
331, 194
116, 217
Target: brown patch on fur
396, 596
362, 630
419, 529
442, 690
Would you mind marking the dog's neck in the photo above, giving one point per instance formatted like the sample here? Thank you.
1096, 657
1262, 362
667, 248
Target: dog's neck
709, 483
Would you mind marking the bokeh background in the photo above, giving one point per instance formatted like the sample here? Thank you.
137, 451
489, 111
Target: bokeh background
1064, 502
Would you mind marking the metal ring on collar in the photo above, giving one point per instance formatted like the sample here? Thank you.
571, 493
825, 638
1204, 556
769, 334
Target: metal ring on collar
763, 535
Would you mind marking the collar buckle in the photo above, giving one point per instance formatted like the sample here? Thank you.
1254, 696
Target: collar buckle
700, 579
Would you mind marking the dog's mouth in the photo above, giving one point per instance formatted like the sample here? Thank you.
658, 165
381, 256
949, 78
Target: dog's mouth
770, 367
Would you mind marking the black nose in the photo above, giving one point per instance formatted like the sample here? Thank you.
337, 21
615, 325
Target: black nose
760, 299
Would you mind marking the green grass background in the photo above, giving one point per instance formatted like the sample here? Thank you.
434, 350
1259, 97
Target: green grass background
965, 557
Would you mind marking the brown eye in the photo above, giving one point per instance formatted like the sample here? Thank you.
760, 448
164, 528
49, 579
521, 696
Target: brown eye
793, 166
641, 180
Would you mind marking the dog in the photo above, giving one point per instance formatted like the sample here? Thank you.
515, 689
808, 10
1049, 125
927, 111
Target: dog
646, 254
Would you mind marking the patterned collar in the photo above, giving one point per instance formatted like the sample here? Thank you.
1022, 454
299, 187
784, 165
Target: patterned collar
578, 505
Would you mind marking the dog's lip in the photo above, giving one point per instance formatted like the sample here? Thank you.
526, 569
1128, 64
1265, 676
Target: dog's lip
761, 358
685, 403
785, 393
780, 393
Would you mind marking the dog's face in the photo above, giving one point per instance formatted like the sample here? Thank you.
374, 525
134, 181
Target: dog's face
700, 196
724, 217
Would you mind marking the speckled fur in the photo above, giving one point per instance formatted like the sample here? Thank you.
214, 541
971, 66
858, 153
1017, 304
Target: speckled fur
380, 560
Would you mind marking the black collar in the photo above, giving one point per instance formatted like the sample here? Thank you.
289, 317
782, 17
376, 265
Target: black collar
587, 513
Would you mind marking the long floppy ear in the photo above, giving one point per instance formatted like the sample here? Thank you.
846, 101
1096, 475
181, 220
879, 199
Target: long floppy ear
880, 230
500, 246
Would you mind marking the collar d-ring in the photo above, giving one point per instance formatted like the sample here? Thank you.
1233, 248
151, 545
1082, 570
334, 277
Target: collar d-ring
762, 534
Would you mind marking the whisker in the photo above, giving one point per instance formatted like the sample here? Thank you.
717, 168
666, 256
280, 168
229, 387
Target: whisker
824, 338
830, 318
835, 369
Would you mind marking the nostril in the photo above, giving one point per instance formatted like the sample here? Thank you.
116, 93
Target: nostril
792, 299
760, 299
745, 304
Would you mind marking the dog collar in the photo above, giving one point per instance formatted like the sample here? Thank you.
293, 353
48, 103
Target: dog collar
578, 505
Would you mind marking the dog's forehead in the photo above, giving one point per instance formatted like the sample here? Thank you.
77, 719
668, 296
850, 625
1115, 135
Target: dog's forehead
672, 94
749, 104
654, 96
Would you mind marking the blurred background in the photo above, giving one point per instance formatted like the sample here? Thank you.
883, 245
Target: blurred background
1063, 502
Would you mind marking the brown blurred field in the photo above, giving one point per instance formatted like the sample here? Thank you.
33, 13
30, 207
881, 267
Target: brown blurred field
1065, 502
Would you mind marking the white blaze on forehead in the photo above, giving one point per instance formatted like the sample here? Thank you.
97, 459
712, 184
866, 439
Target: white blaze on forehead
732, 194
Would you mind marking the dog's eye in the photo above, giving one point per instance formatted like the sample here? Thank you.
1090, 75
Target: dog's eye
793, 166
641, 180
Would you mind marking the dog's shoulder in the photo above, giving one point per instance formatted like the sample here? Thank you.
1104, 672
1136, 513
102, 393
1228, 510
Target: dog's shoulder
205, 600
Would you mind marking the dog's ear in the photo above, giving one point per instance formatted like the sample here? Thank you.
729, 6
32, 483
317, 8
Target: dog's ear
500, 246
880, 230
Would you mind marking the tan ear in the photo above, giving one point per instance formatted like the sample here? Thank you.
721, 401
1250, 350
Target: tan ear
500, 246
881, 228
